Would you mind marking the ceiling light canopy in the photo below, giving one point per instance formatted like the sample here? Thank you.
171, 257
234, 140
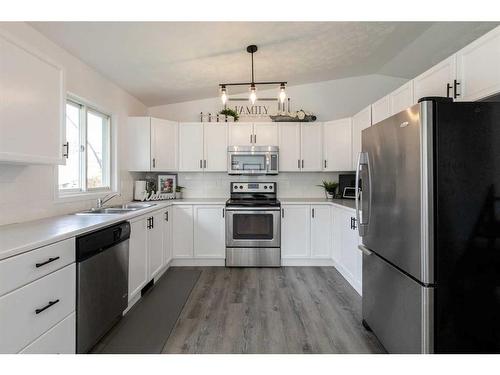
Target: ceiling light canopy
252, 84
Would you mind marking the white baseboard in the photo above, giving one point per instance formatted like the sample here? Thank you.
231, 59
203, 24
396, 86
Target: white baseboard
198, 262
311, 262
132, 302
349, 278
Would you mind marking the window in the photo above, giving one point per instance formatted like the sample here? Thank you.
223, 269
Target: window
88, 167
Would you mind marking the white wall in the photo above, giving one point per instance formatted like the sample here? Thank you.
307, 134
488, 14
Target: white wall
329, 100
27, 192
216, 185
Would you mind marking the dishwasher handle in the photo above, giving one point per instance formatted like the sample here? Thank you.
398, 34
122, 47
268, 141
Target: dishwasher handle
93, 243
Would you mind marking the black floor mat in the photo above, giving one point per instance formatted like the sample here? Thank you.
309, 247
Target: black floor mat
146, 327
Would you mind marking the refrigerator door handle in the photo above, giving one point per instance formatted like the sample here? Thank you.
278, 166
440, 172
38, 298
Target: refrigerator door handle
364, 250
362, 225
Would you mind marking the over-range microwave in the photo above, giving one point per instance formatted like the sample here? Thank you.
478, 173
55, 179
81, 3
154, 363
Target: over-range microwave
252, 160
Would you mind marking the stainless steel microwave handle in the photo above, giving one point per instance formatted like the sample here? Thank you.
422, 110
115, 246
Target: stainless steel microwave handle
363, 161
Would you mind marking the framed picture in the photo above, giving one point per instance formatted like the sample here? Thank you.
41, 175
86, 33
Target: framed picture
167, 184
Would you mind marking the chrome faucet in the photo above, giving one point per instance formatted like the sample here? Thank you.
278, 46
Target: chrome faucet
102, 201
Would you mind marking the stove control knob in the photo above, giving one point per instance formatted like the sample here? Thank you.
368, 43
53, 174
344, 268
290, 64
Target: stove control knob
235, 187
271, 187
241, 186
265, 187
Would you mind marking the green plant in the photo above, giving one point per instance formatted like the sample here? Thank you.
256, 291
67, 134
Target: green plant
178, 189
329, 186
230, 112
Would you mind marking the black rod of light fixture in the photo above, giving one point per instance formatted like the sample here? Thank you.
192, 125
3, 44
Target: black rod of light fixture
255, 83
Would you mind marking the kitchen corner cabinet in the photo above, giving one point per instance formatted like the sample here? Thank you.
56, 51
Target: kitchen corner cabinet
156, 252
478, 67
209, 231
203, 147
32, 108
152, 144
437, 81
182, 231
346, 255
360, 121
337, 151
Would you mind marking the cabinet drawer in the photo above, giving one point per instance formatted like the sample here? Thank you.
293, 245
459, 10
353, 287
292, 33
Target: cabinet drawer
25, 268
57, 340
26, 314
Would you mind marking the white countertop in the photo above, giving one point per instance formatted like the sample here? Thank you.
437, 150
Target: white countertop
344, 203
22, 237
19, 238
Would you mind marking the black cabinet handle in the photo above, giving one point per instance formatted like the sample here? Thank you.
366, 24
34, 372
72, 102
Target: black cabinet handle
313, 213
66, 154
298, 163
448, 88
455, 86
204, 163
302, 163
152, 222
154, 163
149, 223
223, 213
325, 163
50, 304
282, 212
166, 215
50, 260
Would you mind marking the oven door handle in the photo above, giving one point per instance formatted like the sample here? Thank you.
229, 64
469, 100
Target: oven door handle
257, 209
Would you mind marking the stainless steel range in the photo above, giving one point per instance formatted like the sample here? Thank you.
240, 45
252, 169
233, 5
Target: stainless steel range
253, 225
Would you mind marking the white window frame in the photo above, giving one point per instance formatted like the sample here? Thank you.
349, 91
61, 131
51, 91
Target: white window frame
85, 193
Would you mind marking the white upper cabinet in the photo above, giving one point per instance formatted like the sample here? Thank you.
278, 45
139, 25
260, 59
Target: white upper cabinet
478, 66
164, 145
241, 134
215, 146
321, 231
289, 147
265, 134
295, 231
152, 144
360, 121
311, 146
209, 231
32, 106
381, 109
437, 81
337, 151
191, 147
402, 98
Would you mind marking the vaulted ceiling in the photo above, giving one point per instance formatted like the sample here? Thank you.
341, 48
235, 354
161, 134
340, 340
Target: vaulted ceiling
168, 62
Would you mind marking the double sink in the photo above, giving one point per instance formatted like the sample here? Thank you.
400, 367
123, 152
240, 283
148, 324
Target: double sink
117, 210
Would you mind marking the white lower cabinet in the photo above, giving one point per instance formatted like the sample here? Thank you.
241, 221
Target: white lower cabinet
295, 231
60, 339
209, 231
138, 257
29, 312
346, 255
155, 244
321, 231
147, 254
182, 231
167, 235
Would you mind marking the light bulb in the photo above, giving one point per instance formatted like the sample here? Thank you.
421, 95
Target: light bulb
223, 95
282, 95
253, 94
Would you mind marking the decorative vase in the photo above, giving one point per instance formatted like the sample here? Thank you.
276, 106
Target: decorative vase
329, 195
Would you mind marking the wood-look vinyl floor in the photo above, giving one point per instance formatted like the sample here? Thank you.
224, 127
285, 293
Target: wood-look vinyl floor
271, 310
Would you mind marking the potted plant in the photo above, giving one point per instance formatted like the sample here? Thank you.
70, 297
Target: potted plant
230, 112
330, 188
178, 191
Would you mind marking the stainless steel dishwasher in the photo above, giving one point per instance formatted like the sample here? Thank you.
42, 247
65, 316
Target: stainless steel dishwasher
102, 282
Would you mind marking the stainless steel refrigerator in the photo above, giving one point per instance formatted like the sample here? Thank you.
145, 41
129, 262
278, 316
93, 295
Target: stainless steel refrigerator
429, 217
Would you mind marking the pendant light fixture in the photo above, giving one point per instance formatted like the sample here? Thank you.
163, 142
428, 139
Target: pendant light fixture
252, 97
